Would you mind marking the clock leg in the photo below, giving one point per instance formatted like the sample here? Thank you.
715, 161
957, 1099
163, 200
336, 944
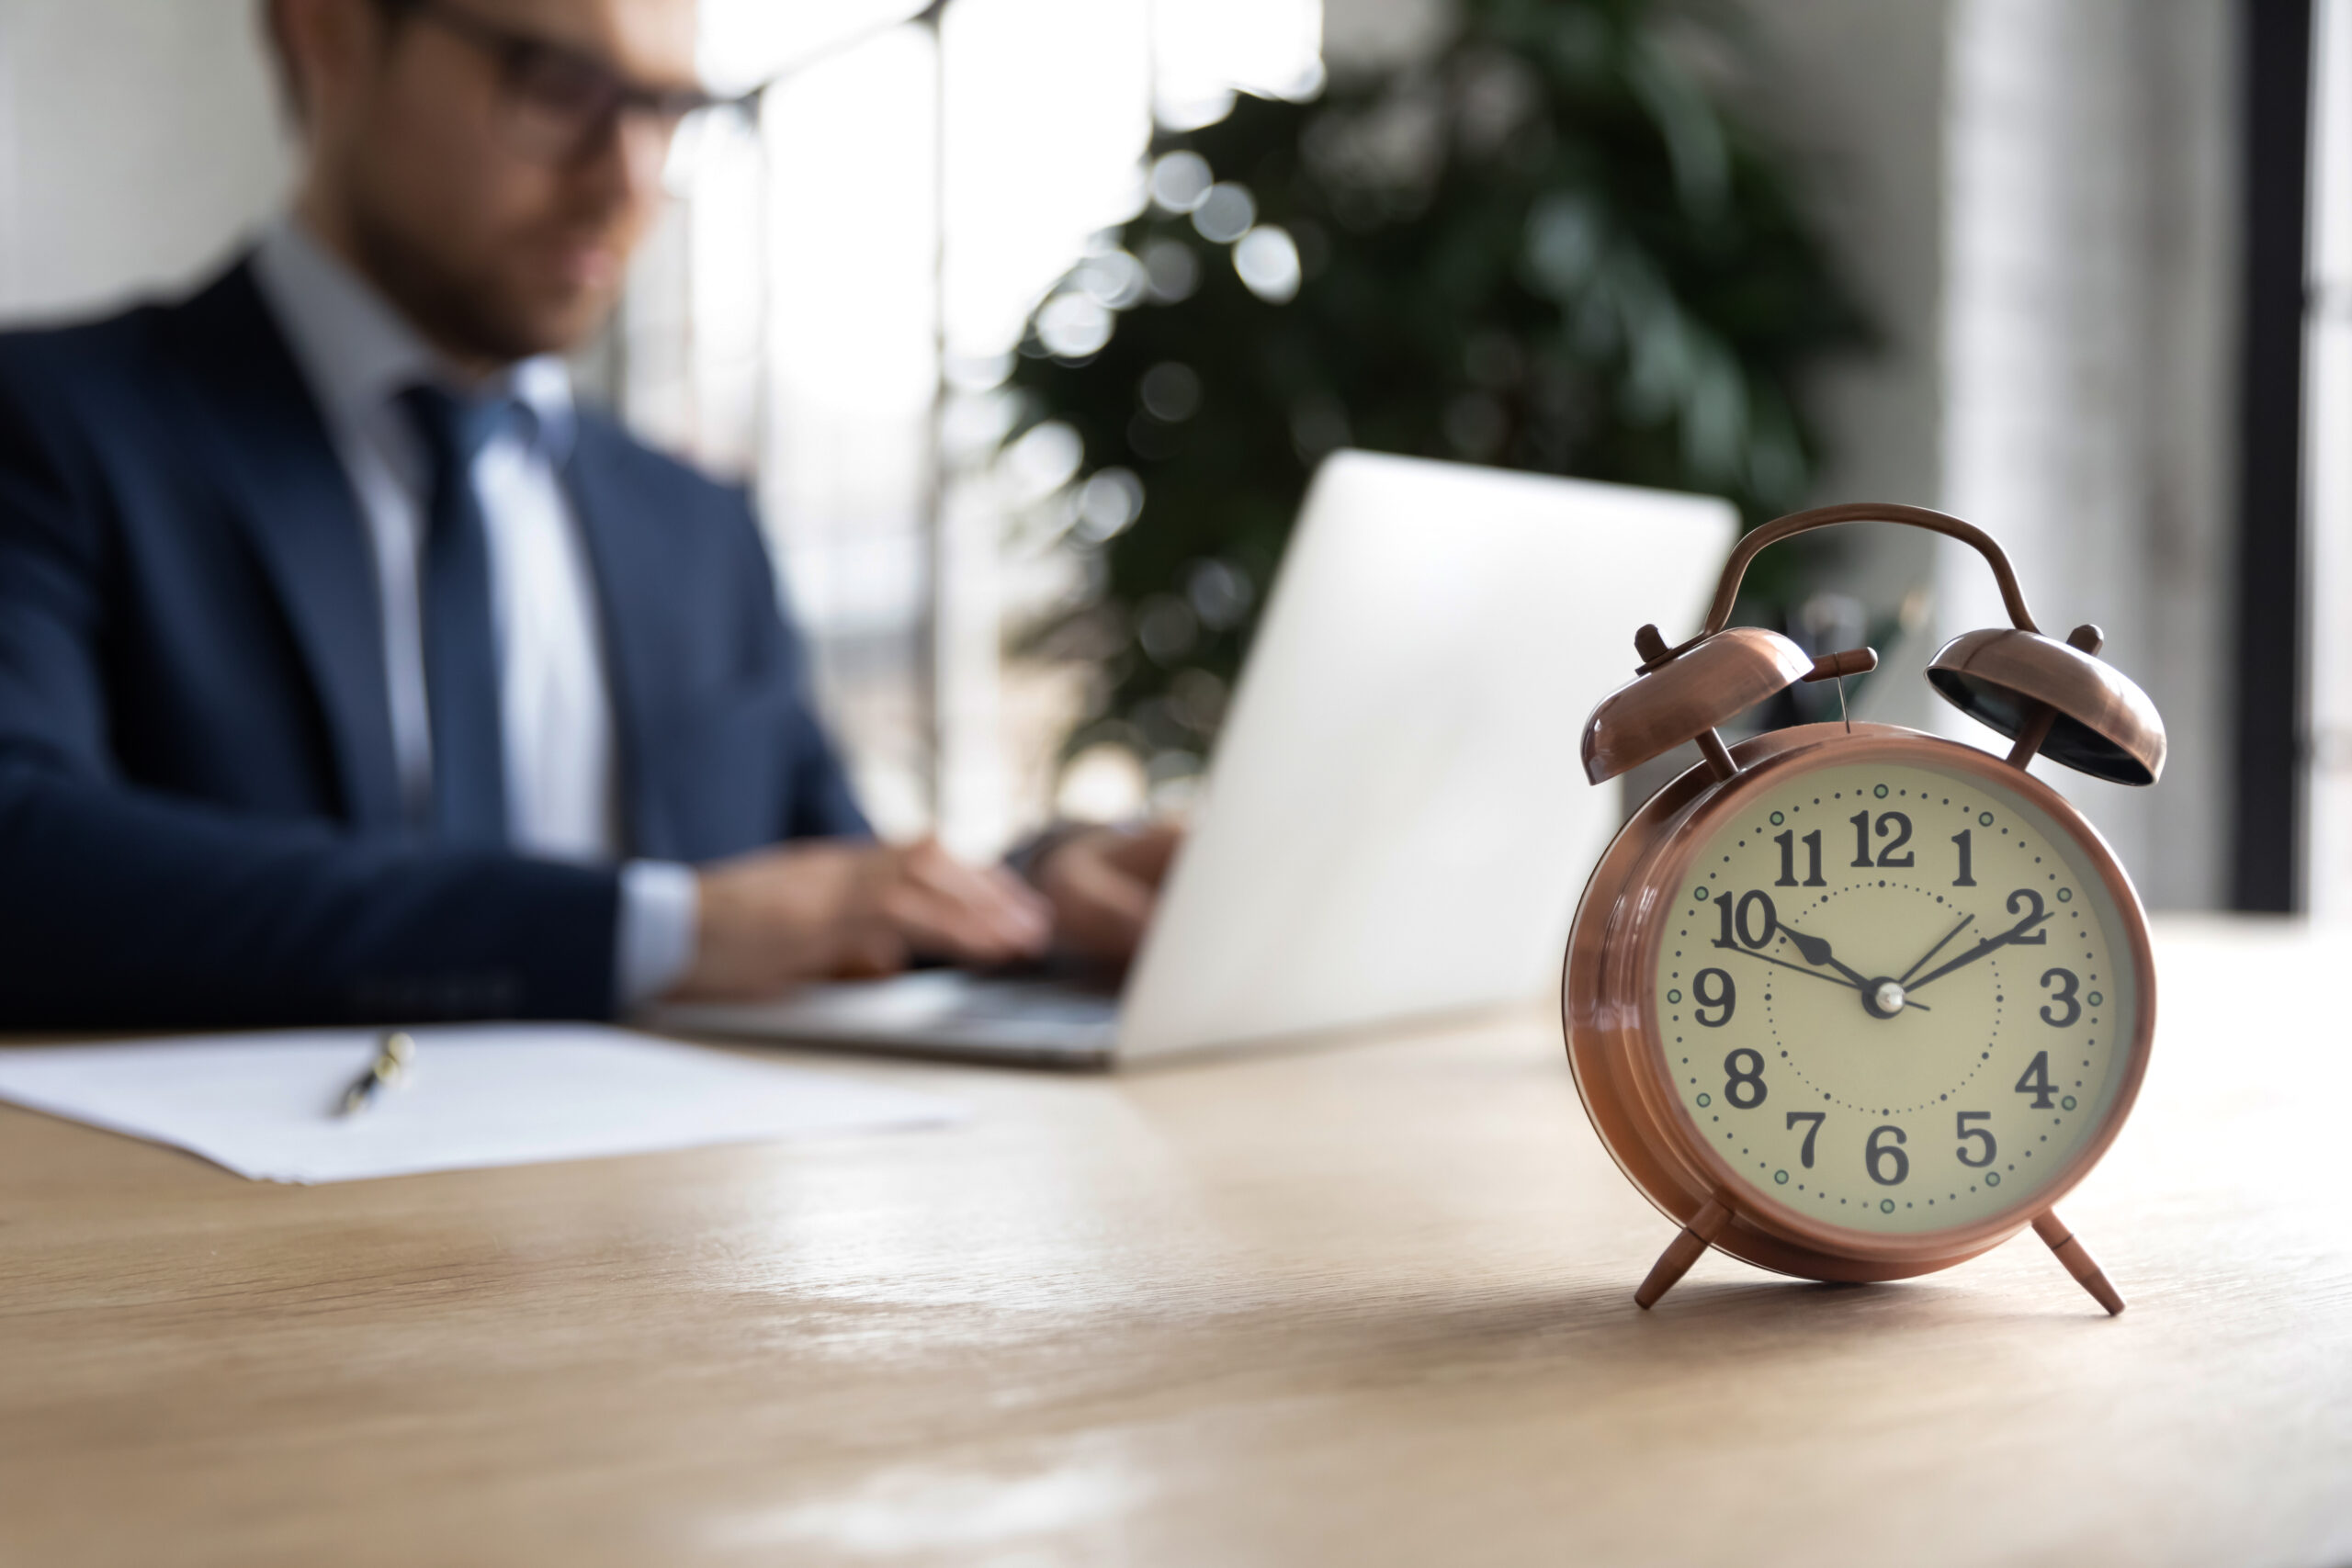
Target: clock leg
2052, 1229
1682, 1252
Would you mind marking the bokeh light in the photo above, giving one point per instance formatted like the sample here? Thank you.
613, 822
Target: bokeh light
1179, 180
1267, 260
1226, 213
1108, 503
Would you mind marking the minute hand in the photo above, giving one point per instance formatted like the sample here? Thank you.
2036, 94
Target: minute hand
1979, 951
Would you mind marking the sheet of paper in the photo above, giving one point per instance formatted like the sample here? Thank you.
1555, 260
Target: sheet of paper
264, 1104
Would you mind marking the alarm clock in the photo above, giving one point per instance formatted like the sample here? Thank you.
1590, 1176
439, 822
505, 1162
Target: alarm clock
1849, 1001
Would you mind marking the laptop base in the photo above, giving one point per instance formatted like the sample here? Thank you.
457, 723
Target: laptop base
933, 1013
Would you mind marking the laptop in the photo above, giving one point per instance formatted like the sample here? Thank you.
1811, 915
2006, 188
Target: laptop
1394, 824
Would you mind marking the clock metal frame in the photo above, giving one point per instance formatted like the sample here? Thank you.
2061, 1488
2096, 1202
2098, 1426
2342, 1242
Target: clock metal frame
1615, 1045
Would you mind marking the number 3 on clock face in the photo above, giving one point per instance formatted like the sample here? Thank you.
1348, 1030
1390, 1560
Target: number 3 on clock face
1892, 998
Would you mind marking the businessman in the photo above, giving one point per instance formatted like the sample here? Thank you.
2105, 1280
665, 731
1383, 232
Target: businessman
349, 670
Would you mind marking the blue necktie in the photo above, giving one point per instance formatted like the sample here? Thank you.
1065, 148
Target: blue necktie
461, 676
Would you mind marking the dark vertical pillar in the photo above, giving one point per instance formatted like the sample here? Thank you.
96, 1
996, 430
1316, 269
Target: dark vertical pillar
2270, 687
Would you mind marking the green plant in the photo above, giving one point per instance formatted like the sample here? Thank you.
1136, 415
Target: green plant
1552, 246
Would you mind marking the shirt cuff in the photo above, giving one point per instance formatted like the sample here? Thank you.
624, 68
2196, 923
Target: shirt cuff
660, 906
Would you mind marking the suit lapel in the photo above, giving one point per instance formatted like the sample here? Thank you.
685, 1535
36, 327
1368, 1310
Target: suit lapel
629, 575
263, 434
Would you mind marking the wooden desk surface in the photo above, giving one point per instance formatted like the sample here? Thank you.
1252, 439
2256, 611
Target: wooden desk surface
1370, 1304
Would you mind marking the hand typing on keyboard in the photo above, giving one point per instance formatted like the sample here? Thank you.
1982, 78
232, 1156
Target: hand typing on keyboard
818, 908
1102, 884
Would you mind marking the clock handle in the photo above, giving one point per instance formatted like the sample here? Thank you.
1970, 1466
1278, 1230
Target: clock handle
1682, 1252
2052, 1229
1773, 533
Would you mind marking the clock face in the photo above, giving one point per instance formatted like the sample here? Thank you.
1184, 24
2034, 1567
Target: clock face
1895, 998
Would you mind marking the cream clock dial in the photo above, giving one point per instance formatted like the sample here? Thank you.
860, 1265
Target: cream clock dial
1894, 1000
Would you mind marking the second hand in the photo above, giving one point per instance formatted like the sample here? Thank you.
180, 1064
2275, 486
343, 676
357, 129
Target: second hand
1904, 979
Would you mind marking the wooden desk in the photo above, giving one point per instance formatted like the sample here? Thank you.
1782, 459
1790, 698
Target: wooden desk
1359, 1305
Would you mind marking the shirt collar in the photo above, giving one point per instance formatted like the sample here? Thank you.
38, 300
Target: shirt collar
359, 352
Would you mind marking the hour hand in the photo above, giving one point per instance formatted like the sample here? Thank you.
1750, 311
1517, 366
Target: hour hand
1815, 950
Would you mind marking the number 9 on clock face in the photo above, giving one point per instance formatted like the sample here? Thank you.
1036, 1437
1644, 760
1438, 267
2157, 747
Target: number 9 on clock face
1892, 999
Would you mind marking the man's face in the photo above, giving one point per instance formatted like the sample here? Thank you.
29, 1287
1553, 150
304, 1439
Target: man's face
442, 145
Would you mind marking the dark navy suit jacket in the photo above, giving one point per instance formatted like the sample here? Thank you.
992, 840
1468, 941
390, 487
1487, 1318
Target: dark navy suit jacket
200, 816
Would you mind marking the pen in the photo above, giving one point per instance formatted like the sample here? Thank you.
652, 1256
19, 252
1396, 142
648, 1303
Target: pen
392, 1056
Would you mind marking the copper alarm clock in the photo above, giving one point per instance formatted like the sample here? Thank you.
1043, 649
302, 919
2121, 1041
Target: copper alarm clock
1849, 1001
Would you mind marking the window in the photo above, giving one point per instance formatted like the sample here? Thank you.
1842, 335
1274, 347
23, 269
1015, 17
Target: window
821, 303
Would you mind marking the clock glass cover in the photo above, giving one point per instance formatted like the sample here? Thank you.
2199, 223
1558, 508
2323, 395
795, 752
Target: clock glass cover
1892, 999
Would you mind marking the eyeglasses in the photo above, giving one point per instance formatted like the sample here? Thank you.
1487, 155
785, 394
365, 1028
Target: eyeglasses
560, 104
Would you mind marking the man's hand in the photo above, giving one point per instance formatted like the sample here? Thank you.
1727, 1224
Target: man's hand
1103, 882
835, 907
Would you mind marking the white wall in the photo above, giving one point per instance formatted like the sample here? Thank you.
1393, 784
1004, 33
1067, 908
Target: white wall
2090, 389
1855, 90
139, 139
2036, 197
